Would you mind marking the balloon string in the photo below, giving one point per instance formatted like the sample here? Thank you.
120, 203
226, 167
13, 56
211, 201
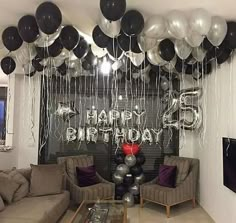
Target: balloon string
9, 106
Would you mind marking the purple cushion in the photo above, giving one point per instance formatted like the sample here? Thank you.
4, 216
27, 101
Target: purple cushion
167, 176
86, 176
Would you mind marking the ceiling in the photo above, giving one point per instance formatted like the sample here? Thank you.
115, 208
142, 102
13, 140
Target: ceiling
84, 14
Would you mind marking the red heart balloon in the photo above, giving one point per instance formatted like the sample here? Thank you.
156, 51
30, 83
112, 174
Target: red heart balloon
130, 148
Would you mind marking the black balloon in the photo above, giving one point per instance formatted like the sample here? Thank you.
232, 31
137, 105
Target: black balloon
42, 52
127, 43
113, 9
11, 38
121, 189
36, 64
224, 56
90, 57
180, 66
69, 37
31, 74
190, 68
48, 17
206, 44
56, 48
8, 65
231, 35
136, 170
100, 39
119, 158
28, 28
86, 65
128, 180
132, 23
167, 50
205, 68
113, 48
140, 159
62, 69
81, 49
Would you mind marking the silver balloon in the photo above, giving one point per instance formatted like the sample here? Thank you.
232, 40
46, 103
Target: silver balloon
91, 134
155, 27
189, 95
122, 169
164, 83
139, 179
97, 51
194, 39
106, 131
136, 58
217, 31
136, 75
102, 118
81, 134
91, 117
25, 53
57, 62
116, 65
172, 107
110, 28
114, 115
196, 114
139, 115
119, 135
200, 21
177, 24
170, 66
45, 40
147, 136
154, 57
130, 160
129, 199
133, 135
71, 134
125, 116
182, 49
134, 189
157, 135
117, 178
146, 43
199, 53
66, 110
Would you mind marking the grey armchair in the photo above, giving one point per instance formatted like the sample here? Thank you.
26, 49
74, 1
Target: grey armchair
102, 190
184, 191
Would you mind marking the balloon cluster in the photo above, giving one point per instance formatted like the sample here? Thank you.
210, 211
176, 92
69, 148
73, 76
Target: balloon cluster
129, 174
39, 42
176, 42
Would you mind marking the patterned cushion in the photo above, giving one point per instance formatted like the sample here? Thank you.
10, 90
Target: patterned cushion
23, 190
79, 161
183, 166
2, 206
7, 187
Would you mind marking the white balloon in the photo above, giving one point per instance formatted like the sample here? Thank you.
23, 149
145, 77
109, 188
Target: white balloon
136, 58
194, 39
200, 21
182, 49
25, 53
199, 53
146, 43
97, 51
110, 28
177, 24
155, 27
217, 31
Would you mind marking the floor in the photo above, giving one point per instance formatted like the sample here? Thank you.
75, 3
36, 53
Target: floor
183, 213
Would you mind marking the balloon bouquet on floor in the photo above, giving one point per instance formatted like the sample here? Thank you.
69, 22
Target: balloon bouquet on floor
129, 175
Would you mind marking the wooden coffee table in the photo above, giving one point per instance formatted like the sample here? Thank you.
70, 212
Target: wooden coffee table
101, 211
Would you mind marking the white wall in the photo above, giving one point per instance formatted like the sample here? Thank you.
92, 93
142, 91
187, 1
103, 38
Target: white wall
22, 122
219, 105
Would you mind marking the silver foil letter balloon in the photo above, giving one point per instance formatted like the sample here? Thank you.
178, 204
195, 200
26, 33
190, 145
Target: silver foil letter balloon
71, 134
91, 117
102, 118
114, 115
119, 136
133, 135
125, 116
147, 136
81, 134
91, 134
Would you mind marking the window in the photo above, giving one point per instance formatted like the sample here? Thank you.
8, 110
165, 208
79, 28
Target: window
3, 106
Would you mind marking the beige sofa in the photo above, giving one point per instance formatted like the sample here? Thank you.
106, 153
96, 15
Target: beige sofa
42, 209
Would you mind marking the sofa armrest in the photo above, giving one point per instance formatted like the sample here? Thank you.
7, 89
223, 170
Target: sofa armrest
153, 181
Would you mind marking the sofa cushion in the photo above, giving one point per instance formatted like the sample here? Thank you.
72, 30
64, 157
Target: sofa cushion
23, 189
2, 206
167, 176
43, 209
46, 179
86, 176
79, 161
183, 166
7, 187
